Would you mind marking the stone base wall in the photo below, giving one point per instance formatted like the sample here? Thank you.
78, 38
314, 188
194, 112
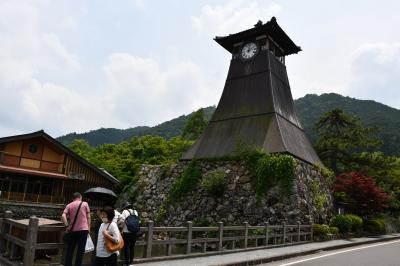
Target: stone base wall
26, 210
238, 204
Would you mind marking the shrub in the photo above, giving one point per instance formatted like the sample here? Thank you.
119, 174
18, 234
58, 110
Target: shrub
342, 222
319, 198
334, 230
356, 222
271, 170
187, 182
375, 225
214, 183
320, 229
363, 195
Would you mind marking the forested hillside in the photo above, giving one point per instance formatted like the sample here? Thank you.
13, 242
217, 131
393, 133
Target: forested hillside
309, 108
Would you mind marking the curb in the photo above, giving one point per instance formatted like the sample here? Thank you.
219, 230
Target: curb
308, 252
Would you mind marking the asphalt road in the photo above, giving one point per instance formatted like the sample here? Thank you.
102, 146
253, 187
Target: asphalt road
379, 254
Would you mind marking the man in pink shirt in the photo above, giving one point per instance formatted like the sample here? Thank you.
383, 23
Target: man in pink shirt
76, 218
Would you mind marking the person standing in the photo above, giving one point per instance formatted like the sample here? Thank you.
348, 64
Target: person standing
108, 230
76, 218
129, 236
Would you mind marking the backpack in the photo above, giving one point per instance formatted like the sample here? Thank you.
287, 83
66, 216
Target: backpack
132, 223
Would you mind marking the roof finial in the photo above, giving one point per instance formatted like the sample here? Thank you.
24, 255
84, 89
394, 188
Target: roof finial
258, 24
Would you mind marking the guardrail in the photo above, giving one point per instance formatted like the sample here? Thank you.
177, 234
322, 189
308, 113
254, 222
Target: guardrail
162, 242
14, 234
220, 238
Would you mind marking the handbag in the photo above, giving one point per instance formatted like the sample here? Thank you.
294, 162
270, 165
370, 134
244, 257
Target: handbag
67, 235
111, 246
89, 247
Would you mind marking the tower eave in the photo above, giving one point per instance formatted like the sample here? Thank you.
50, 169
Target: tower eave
271, 28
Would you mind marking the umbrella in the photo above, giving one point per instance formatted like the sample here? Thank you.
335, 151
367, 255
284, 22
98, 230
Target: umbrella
100, 193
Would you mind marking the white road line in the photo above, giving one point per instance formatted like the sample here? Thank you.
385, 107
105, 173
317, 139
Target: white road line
339, 252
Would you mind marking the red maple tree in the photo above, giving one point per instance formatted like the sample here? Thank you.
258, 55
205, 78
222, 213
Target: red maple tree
362, 195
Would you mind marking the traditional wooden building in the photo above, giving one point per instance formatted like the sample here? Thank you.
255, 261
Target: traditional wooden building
36, 169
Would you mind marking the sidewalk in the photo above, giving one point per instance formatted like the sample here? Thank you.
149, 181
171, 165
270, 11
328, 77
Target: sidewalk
266, 255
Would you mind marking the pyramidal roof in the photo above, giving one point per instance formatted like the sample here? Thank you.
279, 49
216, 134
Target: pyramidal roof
256, 107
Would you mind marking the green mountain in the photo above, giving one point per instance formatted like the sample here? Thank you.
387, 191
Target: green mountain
309, 109
167, 130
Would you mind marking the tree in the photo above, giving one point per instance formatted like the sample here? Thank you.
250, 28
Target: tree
82, 148
342, 138
123, 160
195, 125
360, 193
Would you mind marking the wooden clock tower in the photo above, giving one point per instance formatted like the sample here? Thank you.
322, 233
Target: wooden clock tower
256, 106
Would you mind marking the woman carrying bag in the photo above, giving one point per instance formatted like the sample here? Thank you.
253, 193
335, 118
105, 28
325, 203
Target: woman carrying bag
109, 240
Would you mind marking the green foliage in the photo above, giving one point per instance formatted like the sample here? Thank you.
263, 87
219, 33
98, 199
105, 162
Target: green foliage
194, 125
201, 222
327, 173
271, 170
340, 136
375, 225
342, 222
310, 108
123, 160
356, 222
167, 130
320, 229
347, 223
256, 232
82, 148
162, 212
319, 197
333, 230
214, 183
186, 182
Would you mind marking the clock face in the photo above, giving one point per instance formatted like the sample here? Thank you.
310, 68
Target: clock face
249, 50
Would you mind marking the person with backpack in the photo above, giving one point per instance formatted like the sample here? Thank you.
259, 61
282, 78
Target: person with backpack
130, 230
108, 232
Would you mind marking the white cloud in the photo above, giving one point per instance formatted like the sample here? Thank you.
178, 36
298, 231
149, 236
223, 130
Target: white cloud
375, 72
56, 49
233, 16
141, 92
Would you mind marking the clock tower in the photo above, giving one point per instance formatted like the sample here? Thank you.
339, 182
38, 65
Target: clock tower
256, 106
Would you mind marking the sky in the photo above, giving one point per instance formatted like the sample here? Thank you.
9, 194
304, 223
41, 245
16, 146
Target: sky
77, 65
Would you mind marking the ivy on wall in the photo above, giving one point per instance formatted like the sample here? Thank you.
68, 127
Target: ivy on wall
270, 170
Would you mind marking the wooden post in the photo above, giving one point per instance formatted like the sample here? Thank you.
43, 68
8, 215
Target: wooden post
149, 239
312, 231
266, 233
169, 249
189, 237
25, 189
205, 235
3, 230
246, 234
220, 235
31, 238
284, 233
298, 231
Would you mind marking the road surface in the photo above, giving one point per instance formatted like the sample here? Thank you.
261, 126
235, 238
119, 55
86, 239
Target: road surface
379, 254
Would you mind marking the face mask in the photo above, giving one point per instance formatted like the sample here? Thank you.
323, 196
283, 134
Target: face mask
104, 219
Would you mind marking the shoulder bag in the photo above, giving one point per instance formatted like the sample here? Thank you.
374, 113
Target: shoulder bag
111, 246
67, 235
